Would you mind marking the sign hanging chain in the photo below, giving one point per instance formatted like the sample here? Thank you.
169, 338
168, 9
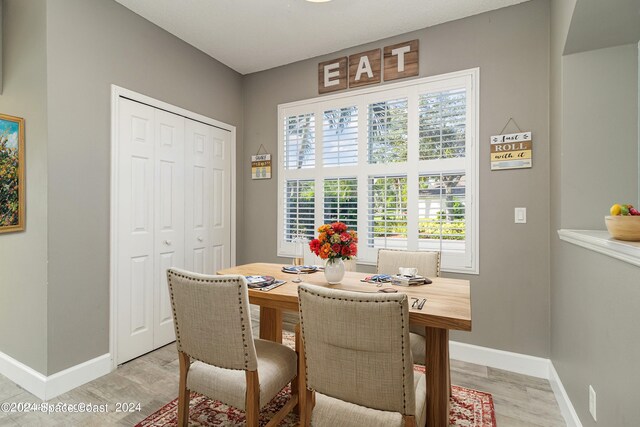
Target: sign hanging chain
511, 119
265, 150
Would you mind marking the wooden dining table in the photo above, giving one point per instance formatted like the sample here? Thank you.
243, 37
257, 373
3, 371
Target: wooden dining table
448, 307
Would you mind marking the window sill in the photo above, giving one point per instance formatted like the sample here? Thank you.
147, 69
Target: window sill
600, 241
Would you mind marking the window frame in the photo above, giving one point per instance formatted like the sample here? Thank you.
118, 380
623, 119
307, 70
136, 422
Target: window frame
411, 89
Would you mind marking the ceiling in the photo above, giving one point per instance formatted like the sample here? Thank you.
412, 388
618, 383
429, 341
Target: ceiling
255, 35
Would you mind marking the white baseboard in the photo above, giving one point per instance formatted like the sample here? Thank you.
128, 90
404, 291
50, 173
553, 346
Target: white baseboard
27, 378
500, 359
521, 364
566, 407
48, 387
63, 381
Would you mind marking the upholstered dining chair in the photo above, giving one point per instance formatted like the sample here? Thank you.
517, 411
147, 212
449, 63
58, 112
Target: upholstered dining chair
428, 265
359, 370
218, 355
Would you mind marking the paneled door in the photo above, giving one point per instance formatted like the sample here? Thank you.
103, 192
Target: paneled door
207, 193
169, 218
220, 202
198, 159
136, 230
173, 209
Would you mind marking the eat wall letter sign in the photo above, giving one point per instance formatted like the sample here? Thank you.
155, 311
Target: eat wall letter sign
365, 68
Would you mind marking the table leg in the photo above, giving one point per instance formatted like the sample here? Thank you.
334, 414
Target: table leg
438, 382
271, 324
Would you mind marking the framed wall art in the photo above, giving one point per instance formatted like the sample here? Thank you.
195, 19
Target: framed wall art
12, 172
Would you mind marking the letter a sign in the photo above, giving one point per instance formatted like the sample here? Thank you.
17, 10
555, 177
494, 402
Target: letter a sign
364, 68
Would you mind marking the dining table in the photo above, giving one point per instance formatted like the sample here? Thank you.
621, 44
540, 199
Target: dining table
447, 307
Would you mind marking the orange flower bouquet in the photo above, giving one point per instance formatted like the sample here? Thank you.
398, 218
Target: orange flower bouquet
335, 241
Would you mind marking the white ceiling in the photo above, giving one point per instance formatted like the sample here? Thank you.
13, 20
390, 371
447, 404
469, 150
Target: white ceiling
255, 35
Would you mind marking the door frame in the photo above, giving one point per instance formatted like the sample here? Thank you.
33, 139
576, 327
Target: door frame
118, 92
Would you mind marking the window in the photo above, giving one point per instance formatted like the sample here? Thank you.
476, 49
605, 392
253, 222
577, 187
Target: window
299, 209
387, 223
340, 137
341, 201
398, 163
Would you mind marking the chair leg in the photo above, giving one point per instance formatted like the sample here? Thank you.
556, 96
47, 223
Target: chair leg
295, 383
252, 403
183, 393
310, 397
304, 395
409, 421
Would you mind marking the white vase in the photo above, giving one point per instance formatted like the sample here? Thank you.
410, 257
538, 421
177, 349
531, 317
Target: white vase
334, 271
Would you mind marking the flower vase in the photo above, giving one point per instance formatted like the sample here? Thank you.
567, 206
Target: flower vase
334, 271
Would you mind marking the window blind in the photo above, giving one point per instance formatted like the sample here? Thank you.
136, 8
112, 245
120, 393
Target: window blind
299, 141
442, 118
387, 131
299, 202
341, 201
340, 137
442, 212
387, 199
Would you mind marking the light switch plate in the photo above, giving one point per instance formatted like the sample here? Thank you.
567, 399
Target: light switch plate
520, 216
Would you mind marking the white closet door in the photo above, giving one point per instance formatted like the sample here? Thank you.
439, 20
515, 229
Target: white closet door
135, 210
169, 217
220, 201
198, 158
173, 210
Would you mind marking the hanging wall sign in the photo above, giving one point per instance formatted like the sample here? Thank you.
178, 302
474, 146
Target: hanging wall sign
261, 165
365, 68
511, 151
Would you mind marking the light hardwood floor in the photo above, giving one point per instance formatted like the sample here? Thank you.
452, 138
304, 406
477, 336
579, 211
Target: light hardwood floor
152, 380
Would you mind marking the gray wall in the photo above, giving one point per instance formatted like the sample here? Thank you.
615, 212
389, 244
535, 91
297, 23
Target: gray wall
595, 299
594, 152
511, 47
561, 13
600, 134
23, 257
594, 339
92, 44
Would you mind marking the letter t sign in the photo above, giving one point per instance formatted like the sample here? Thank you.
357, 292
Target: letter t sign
401, 60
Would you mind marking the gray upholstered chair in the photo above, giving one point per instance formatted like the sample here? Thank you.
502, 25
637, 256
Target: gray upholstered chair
217, 352
359, 369
428, 265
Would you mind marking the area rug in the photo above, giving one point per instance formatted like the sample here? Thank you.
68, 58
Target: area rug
469, 408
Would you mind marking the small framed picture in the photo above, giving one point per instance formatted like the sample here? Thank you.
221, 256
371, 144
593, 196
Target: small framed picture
12, 172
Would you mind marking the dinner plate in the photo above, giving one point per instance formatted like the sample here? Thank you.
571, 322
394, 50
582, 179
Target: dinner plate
259, 281
293, 269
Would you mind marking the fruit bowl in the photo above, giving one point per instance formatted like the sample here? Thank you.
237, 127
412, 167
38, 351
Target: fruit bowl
624, 227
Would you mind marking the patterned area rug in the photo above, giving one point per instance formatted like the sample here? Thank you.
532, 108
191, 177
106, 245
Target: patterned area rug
469, 408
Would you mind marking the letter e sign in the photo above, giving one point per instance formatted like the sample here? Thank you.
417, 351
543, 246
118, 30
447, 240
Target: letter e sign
364, 68
401, 60
332, 75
